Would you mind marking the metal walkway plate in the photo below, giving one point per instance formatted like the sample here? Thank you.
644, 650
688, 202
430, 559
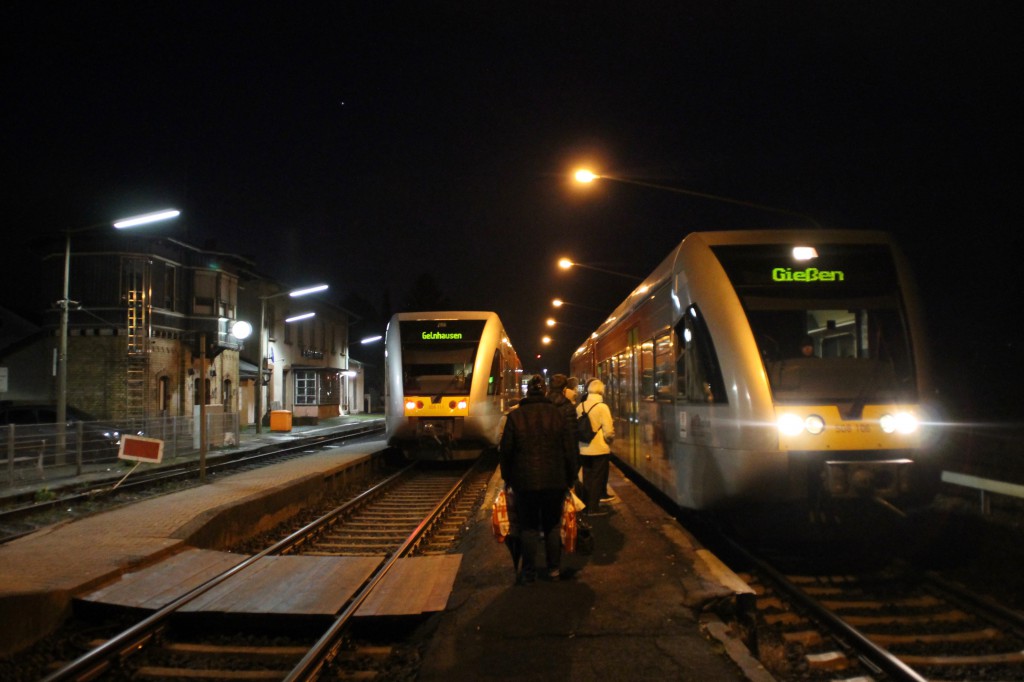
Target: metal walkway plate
294, 585
413, 585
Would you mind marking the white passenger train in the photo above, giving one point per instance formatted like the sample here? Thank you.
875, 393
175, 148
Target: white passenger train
716, 402
449, 377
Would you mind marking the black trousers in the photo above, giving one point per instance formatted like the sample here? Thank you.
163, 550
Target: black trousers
595, 479
540, 511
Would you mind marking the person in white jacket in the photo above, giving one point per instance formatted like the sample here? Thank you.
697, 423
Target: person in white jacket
595, 456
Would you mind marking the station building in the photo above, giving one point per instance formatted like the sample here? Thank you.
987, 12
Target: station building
151, 326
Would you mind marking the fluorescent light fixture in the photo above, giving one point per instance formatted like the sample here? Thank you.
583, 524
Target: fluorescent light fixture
307, 290
371, 339
296, 318
166, 214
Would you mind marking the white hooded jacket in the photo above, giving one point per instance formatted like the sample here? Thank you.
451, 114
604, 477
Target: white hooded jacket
600, 419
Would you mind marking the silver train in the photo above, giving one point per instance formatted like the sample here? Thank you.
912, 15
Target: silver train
449, 377
717, 402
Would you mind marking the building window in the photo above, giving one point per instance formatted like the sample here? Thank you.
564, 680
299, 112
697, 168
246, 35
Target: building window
305, 387
164, 394
205, 292
227, 290
170, 287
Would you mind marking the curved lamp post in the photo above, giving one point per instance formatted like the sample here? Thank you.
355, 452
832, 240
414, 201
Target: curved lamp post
566, 263
585, 176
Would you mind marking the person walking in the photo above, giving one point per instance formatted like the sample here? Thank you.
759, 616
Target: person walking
538, 460
595, 456
571, 384
558, 394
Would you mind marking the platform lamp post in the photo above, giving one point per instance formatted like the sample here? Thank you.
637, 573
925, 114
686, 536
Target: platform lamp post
552, 322
584, 176
294, 293
62, 350
559, 302
566, 263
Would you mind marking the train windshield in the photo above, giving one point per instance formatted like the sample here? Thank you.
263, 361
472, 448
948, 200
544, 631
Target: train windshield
438, 355
829, 330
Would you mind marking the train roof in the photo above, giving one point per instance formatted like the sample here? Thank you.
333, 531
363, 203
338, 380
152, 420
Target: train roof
446, 315
663, 272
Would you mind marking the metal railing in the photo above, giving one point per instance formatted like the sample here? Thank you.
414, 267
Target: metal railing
30, 454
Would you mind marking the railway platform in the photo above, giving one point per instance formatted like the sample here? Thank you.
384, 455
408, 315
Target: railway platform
638, 607
41, 573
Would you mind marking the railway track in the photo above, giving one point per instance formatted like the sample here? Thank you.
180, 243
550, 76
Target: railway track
412, 513
76, 498
888, 625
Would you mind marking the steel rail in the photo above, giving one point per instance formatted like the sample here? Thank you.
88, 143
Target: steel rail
983, 605
326, 648
870, 652
95, 662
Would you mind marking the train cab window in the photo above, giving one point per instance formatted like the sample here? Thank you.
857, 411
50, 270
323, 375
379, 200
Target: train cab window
494, 380
698, 375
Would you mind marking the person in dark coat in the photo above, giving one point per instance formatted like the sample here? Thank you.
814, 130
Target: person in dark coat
558, 390
538, 460
557, 395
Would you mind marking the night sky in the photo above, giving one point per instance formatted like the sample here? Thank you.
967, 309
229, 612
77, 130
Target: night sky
371, 142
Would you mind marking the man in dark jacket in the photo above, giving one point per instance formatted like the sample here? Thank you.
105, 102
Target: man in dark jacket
557, 395
538, 460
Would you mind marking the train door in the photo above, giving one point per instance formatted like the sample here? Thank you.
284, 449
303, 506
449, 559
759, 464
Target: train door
626, 418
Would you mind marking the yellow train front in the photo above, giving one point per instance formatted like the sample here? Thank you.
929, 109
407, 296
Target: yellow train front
449, 377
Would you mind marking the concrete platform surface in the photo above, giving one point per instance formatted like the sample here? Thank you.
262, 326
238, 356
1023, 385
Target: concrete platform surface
41, 573
630, 611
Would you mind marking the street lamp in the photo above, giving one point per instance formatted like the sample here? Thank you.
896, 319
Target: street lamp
62, 351
294, 293
566, 263
585, 176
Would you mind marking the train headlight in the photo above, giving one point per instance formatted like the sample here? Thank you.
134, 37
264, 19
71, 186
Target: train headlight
790, 425
794, 425
414, 405
462, 404
814, 425
901, 422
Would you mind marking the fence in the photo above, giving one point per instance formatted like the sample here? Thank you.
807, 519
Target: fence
31, 452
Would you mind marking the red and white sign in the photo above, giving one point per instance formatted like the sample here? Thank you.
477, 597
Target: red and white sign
141, 449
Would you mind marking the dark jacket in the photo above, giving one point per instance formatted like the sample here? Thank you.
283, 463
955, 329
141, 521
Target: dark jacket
538, 449
568, 411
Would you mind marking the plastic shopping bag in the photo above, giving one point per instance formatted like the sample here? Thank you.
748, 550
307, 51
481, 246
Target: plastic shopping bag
503, 515
568, 529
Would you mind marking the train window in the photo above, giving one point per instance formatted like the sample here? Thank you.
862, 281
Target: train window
698, 375
494, 381
664, 364
622, 384
859, 353
647, 370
